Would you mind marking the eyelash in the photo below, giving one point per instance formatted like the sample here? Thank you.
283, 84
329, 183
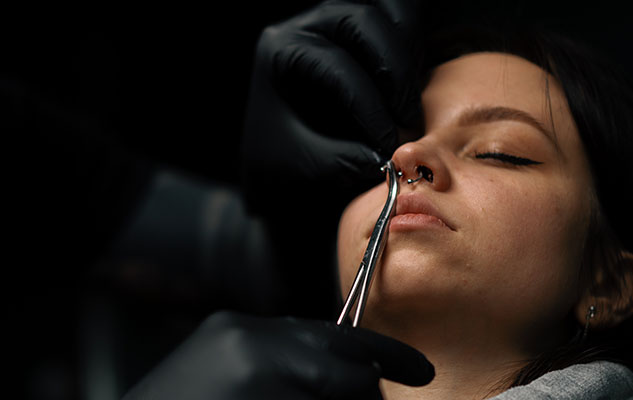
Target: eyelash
507, 158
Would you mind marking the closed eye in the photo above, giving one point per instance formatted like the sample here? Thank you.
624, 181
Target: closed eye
507, 158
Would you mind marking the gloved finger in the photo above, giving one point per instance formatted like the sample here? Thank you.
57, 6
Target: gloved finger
407, 17
398, 361
380, 49
330, 376
348, 162
316, 62
339, 161
306, 158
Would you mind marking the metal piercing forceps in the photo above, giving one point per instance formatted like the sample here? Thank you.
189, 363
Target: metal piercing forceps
374, 250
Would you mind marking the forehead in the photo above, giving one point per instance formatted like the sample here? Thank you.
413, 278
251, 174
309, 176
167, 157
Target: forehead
494, 79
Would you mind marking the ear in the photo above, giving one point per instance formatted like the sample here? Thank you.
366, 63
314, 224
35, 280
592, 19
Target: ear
612, 305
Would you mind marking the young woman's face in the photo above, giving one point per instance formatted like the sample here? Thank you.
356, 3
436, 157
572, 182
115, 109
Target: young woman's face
495, 239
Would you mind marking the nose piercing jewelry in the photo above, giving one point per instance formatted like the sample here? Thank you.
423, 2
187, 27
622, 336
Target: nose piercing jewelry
424, 173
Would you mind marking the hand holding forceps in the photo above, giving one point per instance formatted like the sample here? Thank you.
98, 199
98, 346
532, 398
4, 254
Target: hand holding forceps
376, 244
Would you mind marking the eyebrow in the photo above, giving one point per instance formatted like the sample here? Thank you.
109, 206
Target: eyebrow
479, 115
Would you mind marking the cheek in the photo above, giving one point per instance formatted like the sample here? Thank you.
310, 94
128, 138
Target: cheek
509, 219
530, 240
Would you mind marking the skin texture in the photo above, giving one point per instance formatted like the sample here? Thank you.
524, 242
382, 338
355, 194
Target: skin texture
501, 284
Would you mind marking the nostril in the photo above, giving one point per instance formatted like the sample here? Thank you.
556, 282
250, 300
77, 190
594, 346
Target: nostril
423, 173
426, 173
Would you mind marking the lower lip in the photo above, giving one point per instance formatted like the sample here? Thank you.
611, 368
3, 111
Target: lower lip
415, 222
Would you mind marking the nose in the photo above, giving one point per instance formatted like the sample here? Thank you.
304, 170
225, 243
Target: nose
419, 164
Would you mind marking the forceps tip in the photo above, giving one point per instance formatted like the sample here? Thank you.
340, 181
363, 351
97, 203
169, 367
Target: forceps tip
387, 165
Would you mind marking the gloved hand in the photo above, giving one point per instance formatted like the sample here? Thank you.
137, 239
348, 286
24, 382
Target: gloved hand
234, 356
328, 90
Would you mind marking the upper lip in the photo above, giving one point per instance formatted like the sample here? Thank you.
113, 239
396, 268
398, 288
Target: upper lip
417, 203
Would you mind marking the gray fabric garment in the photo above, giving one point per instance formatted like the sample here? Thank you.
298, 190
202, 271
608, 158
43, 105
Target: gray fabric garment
600, 380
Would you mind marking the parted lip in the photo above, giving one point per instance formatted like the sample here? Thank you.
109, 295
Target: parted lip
417, 203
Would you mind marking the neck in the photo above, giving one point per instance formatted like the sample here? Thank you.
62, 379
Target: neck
467, 365
456, 378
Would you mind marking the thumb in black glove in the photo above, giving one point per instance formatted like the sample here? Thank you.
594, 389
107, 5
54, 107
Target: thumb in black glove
329, 88
234, 356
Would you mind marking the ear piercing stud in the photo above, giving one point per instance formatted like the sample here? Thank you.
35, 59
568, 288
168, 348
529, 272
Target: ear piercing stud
591, 312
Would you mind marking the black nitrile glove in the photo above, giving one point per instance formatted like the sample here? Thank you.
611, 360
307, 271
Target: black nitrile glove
234, 356
328, 90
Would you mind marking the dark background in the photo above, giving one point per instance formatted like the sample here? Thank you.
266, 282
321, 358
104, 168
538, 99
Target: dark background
142, 86
118, 92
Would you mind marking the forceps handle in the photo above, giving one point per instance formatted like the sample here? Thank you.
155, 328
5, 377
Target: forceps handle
376, 244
